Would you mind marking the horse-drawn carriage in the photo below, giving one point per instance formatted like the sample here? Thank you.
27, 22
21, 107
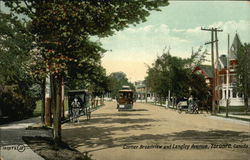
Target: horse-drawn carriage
189, 106
78, 104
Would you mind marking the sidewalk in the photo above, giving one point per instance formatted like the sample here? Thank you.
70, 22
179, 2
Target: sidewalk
230, 115
12, 145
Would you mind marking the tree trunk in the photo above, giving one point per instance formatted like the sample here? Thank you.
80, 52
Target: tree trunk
56, 88
246, 92
47, 109
246, 103
102, 100
96, 102
43, 101
62, 99
160, 100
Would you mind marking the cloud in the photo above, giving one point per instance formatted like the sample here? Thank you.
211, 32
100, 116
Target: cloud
194, 30
197, 37
178, 30
140, 29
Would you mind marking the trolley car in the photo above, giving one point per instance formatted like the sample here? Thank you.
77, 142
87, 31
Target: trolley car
125, 99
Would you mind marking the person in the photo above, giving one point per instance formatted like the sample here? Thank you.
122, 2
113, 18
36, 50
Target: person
190, 103
75, 109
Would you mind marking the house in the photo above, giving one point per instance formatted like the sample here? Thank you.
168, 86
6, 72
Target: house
236, 99
226, 84
207, 72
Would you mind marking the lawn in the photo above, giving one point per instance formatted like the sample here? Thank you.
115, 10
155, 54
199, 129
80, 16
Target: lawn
238, 118
233, 109
37, 111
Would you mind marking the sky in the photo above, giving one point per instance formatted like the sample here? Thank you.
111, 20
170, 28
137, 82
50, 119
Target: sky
177, 26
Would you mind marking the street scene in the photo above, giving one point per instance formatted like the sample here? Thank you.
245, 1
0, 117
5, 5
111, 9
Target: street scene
124, 80
138, 134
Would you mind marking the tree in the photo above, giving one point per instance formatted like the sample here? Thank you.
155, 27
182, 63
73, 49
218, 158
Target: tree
63, 30
16, 94
200, 91
243, 72
174, 73
116, 81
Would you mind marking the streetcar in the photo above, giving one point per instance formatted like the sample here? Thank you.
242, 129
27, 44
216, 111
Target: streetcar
125, 98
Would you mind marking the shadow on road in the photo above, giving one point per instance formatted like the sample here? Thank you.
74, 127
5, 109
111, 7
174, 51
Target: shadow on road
110, 120
119, 114
211, 136
132, 110
93, 137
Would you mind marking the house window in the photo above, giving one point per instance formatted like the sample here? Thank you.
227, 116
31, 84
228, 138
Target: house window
234, 94
220, 94
240, 95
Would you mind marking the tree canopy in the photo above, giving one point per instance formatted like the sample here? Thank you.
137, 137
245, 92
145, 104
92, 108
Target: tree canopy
243, 72
18, 91
115, 82
176, 74
63, 30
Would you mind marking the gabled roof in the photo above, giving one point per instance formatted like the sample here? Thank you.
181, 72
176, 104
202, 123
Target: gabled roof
206, 69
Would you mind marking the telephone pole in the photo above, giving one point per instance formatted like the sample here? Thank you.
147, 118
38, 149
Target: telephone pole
217, 72
213, 30
227, 96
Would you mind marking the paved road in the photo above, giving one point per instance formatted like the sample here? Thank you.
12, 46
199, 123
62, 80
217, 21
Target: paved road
12, 145
152, 132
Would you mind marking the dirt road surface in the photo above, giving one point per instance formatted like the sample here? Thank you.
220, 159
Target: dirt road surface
154, 133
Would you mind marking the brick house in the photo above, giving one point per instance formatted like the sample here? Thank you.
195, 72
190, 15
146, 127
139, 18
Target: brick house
236, 99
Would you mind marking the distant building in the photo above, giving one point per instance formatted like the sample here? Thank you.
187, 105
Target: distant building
143, 93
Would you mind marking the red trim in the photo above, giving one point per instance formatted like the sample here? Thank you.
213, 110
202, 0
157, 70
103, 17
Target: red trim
198, 68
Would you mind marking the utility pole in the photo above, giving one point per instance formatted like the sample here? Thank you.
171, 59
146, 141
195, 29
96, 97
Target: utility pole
212, 30
217, 71
227, 96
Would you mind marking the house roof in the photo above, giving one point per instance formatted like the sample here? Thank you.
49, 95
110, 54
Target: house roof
235, 47
207, 69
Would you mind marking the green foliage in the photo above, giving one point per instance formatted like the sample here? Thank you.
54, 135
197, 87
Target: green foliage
15, 43
175, 74
63, 32
115, 82
200, 90
243, 72
97, 82
18, 92
15, 105
63, 29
